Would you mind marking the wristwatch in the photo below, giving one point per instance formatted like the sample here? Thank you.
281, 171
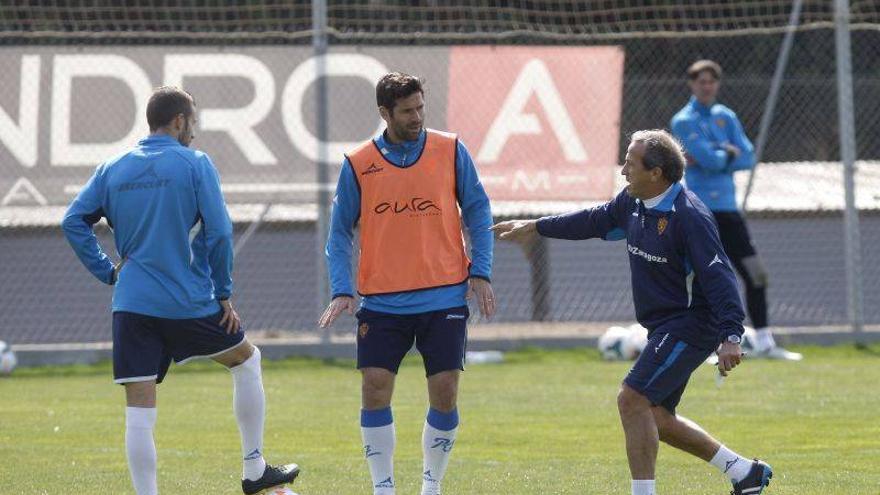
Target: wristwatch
734, 339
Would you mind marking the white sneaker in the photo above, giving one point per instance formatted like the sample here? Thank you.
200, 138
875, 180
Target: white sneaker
777, 352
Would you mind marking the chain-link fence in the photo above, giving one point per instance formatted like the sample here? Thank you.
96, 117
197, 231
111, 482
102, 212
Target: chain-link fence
544, 94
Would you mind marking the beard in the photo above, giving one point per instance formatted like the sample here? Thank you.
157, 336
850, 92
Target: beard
186, 135
408, 133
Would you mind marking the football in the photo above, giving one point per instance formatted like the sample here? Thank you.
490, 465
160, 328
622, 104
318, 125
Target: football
7, 359
612, 344
623, 343
636, 341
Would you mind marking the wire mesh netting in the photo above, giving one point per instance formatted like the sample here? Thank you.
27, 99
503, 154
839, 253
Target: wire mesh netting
414, 19
544, 94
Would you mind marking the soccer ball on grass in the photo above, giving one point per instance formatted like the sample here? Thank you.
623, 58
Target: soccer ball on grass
623, 343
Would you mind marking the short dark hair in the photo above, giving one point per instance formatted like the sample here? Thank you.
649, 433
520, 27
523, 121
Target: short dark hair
395, 86
701, 66
662, 150
166, 103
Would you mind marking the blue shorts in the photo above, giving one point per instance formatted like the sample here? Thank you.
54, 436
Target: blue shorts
663, 369
143, 346
383, 339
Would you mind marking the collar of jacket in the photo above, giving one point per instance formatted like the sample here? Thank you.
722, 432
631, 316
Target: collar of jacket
403, 147
699, 107
665, 206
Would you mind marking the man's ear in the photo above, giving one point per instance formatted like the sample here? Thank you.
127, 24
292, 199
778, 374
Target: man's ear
656, 174
385, 114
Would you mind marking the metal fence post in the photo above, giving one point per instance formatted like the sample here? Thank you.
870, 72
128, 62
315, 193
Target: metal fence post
852, 241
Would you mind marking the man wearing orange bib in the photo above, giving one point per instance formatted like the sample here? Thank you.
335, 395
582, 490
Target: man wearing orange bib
412, 190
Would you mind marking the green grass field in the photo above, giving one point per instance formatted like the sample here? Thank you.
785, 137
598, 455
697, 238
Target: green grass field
543, 422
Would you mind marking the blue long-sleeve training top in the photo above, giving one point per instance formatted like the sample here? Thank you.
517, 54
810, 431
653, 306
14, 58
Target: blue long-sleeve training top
476, 215
170, 224
704, 131
682, 281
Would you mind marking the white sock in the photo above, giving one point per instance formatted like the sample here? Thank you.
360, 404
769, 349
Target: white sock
249, 404
765, 338
140, 449
377, 430
735, 466
643, 487
438, 438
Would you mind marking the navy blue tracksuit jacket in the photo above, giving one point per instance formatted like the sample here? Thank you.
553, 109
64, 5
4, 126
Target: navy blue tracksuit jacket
682, 280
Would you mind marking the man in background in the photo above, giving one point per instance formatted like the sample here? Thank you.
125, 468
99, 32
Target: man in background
716, 146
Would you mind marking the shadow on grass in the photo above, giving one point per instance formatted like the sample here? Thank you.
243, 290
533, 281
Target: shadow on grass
528, 355
872, 350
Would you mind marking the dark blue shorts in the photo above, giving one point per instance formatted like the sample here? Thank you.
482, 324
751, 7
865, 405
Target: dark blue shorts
663, 369
143, 346
383, 339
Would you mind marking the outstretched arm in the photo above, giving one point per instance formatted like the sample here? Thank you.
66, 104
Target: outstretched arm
606, 222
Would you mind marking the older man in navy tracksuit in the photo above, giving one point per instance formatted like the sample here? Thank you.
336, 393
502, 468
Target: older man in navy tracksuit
685, 294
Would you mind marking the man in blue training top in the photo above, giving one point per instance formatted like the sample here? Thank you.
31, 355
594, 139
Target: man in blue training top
716, 146
172, 287
685, 294
404, 189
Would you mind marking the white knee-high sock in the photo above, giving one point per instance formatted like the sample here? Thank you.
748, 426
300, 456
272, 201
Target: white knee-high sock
438, 438
735, 466
377, 429
140, 448
249, 404
643, 487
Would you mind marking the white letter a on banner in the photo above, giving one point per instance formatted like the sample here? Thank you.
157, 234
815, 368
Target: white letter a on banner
534, 79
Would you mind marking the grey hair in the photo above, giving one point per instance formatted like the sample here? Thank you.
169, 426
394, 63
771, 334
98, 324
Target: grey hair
662, 150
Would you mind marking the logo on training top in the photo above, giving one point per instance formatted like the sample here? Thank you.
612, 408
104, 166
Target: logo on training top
716, 259
661, 225
653, 258
362, 331
414, 207
372, 169
148, 179
720, 122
